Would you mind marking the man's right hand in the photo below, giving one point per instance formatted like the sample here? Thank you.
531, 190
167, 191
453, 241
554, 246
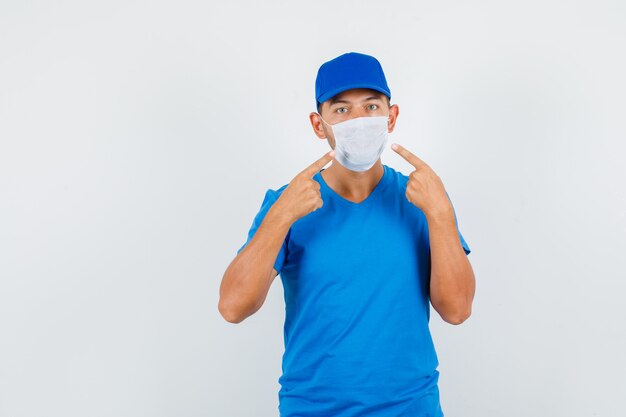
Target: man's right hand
249, 276
302, 196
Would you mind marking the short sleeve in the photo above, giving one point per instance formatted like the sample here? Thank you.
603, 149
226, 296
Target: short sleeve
466, 247
270, 198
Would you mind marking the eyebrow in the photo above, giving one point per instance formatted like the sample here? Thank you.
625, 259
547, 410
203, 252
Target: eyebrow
338, 100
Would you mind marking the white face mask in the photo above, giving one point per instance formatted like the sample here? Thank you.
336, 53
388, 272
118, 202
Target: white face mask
360, 141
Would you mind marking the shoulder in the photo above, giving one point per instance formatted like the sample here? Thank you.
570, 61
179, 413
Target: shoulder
398, 181
397, 177
272, 194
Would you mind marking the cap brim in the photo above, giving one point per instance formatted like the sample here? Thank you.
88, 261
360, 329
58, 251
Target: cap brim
331, 93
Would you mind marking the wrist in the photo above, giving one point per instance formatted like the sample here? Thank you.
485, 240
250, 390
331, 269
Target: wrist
439, 213
280, 217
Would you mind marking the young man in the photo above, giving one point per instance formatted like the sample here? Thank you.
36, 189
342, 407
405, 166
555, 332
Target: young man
362, 249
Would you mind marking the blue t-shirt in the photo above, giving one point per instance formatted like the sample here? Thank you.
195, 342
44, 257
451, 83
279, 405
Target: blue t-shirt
356, 283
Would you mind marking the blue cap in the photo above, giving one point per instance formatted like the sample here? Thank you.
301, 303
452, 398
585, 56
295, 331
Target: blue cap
347, 71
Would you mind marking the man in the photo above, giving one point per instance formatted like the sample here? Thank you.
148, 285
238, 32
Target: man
361, 249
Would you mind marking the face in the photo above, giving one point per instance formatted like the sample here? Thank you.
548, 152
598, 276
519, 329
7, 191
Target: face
350, 104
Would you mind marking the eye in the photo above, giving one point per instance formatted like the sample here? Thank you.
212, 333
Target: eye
341, 110
372, 106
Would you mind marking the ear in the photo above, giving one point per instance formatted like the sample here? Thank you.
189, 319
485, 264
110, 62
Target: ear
316, 123
394, 111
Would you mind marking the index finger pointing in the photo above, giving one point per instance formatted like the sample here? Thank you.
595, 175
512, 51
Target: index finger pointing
410, 157
319, 164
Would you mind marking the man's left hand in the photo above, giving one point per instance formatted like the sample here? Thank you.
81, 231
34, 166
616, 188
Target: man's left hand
424, 188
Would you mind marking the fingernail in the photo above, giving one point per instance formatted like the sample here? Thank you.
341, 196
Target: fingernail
394, 146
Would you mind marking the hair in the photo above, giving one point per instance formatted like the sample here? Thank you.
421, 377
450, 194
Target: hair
319, 105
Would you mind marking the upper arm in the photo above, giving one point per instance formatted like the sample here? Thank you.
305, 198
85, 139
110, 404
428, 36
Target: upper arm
268, 201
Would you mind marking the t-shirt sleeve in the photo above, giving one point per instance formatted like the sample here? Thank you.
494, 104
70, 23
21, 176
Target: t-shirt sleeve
466, 247
270, 198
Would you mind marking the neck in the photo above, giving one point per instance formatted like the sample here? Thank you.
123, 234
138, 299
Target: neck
351, 184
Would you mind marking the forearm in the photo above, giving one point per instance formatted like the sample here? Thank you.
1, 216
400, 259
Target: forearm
452, 282
249, 276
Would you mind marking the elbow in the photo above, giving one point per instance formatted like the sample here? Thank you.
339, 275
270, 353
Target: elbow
229, 306
454, 313
229, 314
237, 311
236, 303
458, 317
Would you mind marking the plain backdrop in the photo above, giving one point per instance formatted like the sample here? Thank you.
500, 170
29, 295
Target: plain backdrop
138, 139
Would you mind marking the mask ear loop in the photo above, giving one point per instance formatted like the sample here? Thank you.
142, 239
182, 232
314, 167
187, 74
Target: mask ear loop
324, 120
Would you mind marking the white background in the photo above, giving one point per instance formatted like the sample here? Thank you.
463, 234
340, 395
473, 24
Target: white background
138, 139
